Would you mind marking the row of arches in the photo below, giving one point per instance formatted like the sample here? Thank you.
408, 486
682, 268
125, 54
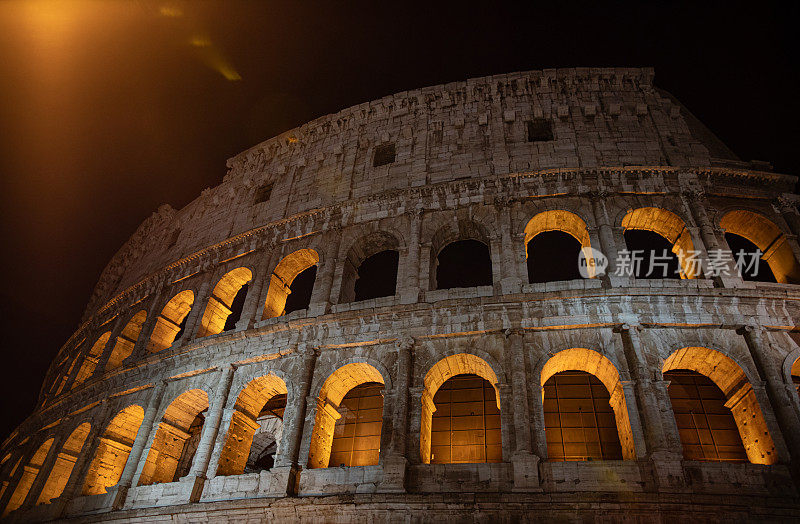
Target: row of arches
461, 257
584, 412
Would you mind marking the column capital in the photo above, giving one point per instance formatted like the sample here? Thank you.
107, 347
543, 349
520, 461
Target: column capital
404, 343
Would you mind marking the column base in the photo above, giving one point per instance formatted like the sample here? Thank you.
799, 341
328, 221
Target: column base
668, 471
526, 471
394, 475
409, 296
284, 481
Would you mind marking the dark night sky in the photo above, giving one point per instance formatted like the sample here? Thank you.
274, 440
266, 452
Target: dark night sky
107, 110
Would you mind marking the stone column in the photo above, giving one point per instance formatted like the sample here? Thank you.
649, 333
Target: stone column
286, 463
140, 348
112, 341
321, 295
135, 462
196, 313
608, 245
510, 281
253, 303
77, 476
202, 455
696, 204
769, 368
410, 288
395, 461
416, 394
660, 436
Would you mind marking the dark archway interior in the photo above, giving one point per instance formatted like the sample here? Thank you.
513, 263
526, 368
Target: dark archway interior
552, 256
707, 428
236, 308
377, 276
751, 267
464, 263
653, 253
302, 286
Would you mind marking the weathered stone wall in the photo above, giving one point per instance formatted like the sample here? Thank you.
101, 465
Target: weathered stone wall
622, 157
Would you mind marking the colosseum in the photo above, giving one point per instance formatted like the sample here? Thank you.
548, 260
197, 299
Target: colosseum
381, 316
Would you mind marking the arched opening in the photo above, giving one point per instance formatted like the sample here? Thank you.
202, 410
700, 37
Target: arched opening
795, 372
579, 421
749, 259
456, 440
282, 283
357, 433
176, 439
465, 425
29, 474
659, 245
585, 386
255, 428
225, 303
707, 429
553, 241
65, 462
171, 322
738, 399
330, 408
464, 263
112, 451
126, 340
370, 268
377, 276
768, 238
91, 359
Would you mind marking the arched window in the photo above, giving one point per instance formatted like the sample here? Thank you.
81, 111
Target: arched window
579, 421
126, 340
370, 268
171, 322
553, 241
255, 428
659, 244
176, 439
29, 474
460, 423
331, 408
65, 461
112, 451
91, 359
357, 433
225, 303
707, 429
464, 263
585, 411
715, 406
465, 427
291, 277
768, 238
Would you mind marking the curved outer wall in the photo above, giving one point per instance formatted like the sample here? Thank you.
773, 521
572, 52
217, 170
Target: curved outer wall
463, 169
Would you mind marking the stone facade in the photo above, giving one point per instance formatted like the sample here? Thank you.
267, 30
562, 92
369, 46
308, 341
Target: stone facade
117, 407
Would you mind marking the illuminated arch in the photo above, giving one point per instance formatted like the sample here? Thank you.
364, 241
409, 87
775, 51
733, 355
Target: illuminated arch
333, 390
741, 399
668, 225
244, 422
219, 304
169, 442
446, 368
65, 462
592, 362
564, 221
91, 359
768, 238
281, 279
112, 451
29, 473
126, 340
169, 322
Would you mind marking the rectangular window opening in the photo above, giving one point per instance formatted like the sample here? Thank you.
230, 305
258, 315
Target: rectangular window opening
540, 130
263, 193
384, 154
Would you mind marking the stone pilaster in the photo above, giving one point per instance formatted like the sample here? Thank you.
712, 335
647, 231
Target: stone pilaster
409, 285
